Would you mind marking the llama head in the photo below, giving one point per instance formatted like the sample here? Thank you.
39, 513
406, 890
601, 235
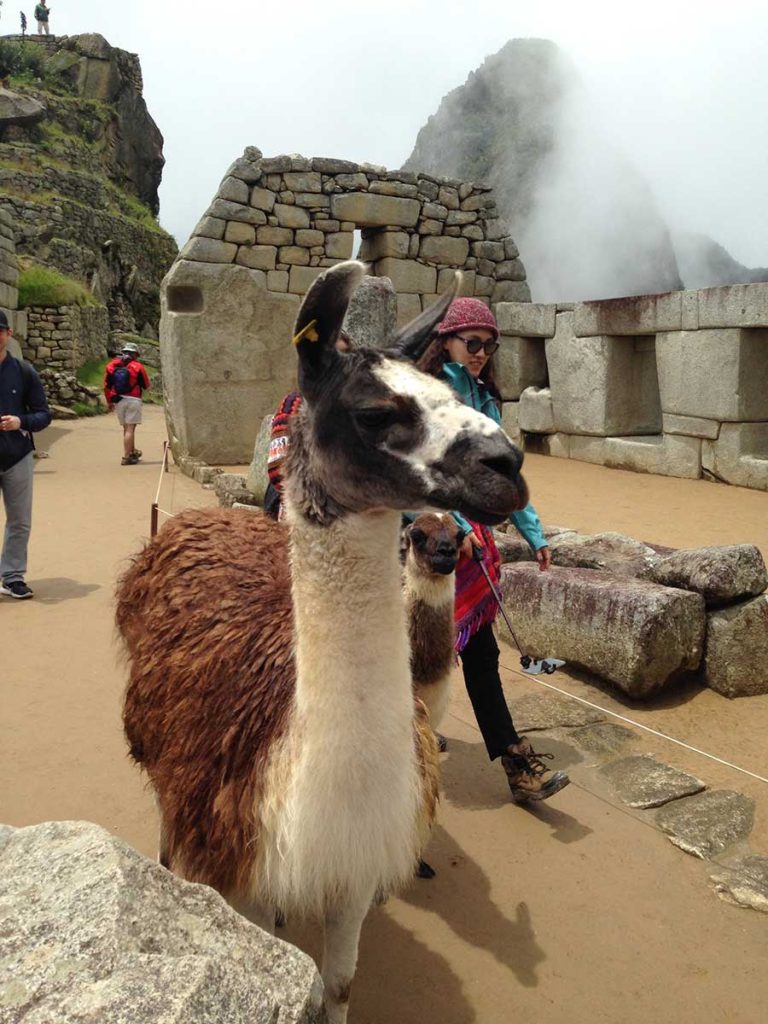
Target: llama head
433, 544
374, 432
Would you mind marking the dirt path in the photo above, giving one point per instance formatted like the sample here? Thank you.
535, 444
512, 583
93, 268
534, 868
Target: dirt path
578, 912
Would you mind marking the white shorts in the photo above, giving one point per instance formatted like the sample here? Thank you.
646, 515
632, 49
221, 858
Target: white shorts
128, 410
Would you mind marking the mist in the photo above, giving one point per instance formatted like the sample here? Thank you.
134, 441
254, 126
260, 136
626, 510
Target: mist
679, 91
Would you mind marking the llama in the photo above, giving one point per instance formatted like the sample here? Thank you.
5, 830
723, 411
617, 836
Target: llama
433, 544
269, 698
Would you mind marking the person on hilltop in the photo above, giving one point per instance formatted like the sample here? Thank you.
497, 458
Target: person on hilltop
461, 354
125, 379
23, 23
41, 16
23, 411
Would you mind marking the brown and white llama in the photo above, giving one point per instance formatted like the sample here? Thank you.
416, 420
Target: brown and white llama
433, 545
270, 698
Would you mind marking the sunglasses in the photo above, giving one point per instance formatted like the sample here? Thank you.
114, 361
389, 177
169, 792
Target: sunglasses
474, 345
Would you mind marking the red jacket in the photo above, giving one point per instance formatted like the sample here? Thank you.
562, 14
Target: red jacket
139, 380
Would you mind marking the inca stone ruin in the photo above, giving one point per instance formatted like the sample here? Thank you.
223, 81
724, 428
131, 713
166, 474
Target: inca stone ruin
230, 300
675, 384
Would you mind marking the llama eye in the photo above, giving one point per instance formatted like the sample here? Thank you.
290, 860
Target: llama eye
374, 418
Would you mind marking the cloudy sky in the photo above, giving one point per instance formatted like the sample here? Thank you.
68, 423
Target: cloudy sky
681, 86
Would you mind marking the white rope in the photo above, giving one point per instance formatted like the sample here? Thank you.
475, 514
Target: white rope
646, 728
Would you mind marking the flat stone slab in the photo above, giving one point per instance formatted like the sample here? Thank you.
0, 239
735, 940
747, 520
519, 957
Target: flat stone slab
548, 711
642, 781
602, 738
708, 823
744, 882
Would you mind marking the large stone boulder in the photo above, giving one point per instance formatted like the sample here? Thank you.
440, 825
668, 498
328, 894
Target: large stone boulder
95, 933
722, 575
224, 371
18, 109
637, 635
736, 657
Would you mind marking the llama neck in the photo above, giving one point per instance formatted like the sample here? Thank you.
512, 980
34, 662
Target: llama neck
351, 637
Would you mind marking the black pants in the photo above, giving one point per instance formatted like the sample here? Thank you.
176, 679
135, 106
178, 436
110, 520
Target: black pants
480, 662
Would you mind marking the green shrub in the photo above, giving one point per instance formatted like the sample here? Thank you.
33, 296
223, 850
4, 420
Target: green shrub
18, 60
92, 373
42, 286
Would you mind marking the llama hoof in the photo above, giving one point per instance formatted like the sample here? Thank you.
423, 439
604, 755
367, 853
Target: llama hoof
424, 870
279, 919
442, 742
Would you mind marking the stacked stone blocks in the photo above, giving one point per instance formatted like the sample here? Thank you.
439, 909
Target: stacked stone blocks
66, 337
231, 298
674, 384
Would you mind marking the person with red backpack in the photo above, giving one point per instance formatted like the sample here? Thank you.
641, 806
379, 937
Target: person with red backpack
124, 381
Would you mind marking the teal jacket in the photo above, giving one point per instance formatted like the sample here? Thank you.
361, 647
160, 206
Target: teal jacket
475, 394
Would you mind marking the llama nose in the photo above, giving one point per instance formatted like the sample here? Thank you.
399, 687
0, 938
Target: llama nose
507, 460
446, 549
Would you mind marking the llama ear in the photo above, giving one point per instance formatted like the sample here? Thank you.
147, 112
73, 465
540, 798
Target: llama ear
320, 318
411, 341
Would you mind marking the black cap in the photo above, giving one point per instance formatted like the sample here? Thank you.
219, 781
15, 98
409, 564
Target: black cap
4, 325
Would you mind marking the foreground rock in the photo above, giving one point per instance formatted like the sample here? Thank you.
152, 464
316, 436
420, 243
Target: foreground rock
638, 635
736, 658
708, 823
722, 575
95, 933
642, 781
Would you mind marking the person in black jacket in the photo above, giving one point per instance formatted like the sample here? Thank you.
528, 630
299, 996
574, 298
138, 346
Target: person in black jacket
23, 410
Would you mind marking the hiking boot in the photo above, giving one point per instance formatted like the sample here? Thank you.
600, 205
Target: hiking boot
129, 460
17, 589
526, 773
136, 454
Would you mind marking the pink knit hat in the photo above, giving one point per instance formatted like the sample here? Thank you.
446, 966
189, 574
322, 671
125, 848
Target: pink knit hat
465, 315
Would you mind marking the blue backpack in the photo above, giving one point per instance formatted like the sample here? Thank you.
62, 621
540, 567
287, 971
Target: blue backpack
121, 380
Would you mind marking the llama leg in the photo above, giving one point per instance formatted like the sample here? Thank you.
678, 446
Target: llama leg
342, 937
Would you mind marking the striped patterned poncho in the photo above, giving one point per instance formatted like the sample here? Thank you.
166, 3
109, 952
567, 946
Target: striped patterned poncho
475, 604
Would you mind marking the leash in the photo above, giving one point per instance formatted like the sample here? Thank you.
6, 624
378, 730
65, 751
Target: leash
531, 666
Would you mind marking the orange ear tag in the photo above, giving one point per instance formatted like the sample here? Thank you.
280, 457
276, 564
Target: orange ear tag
309, 333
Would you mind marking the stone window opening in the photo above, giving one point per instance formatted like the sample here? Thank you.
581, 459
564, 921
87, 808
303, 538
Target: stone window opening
184, 298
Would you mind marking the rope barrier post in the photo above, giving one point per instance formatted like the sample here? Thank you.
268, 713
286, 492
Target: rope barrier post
153, 521
165, 456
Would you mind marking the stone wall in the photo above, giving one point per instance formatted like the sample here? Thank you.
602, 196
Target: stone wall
66, 337
675, 384
9, 293
231, 298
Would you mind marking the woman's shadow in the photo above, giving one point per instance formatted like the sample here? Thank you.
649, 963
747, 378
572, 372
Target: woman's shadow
479, 790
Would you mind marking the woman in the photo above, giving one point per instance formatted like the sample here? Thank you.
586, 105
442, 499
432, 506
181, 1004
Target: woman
462, 354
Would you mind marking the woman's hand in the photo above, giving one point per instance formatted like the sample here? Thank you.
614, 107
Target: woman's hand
470, 541
544, 558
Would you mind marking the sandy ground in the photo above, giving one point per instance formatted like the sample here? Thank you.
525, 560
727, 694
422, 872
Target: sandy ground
577, 912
